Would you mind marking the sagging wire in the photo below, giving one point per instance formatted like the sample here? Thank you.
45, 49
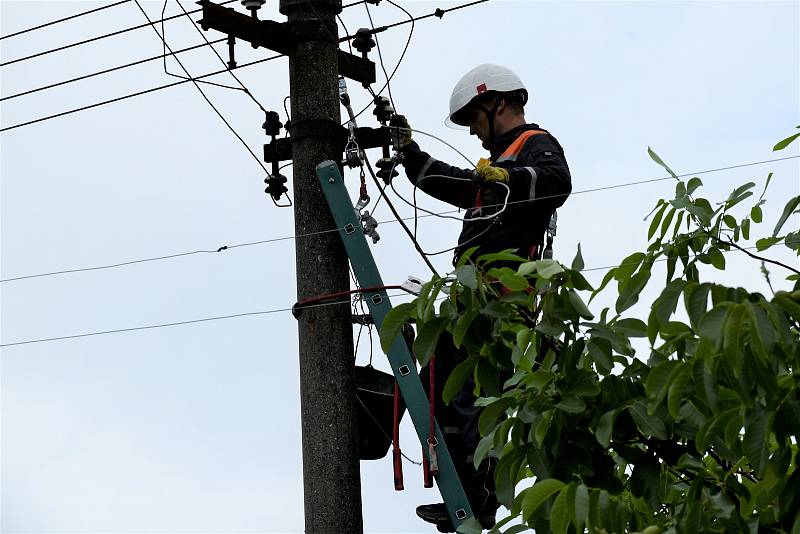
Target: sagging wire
203, 35
163, 37
197, 85
397, 66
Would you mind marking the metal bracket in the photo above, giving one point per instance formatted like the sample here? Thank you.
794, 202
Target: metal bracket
279, 37
281, 149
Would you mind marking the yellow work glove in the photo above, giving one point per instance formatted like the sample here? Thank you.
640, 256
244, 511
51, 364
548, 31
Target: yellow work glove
487, 173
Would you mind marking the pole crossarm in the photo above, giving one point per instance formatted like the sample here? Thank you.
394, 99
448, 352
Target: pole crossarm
279, 36
403, 366
281, 149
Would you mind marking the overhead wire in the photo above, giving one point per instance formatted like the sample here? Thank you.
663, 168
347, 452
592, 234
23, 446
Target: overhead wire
133, 95
321, 232
205, 97
397, 66
279, 310
109, 70
178, 323
100, 37
64, 19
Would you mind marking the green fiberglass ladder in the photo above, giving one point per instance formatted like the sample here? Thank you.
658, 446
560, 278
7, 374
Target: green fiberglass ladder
403, 366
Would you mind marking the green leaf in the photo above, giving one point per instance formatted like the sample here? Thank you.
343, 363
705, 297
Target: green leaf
631, 327
467, 275
606, 279
658, 381
559, 515
581, 507
628, 266
600, 351
506, 256
712, 429
457, 379
466, 256
427, 337
658, 160
766, 242
571, 404
462, 325
746, 228
717, 258
549, 268
579, 306
514, 281
577, 262
739, 194
393, 323
757, 424
656, 220
605, 428
667, 221
787, 210
676, 390
538, 494
693, 184
630, 294
648, 425
756, 214
485, 445
666, 303
780, 145
762, 332
492, 414
713, 323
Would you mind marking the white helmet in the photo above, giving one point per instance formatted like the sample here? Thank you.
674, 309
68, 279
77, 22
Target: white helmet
480, 80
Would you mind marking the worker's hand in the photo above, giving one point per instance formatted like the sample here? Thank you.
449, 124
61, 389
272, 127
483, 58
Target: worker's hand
489, 174
401, 131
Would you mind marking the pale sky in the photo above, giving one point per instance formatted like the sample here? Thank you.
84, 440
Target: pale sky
195, 428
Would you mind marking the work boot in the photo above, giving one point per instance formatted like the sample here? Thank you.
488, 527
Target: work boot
437, 514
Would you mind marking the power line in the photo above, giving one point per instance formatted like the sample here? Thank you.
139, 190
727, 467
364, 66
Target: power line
312, 234
132, 95
53, 22
233, 74
99, 37
278, 310
177, 323
107, 71
439, 13
197, 85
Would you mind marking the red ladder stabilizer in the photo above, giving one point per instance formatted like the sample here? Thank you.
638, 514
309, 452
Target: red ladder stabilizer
434, 462
397, 455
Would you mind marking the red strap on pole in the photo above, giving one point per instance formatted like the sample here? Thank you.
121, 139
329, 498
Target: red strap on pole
434, 462
396, 454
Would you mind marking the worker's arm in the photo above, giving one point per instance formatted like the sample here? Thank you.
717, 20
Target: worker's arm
419, 165
540, 173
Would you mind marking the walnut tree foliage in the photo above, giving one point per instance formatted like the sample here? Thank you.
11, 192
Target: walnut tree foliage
698, 432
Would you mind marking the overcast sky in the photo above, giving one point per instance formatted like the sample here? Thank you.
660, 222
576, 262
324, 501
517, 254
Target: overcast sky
195, 428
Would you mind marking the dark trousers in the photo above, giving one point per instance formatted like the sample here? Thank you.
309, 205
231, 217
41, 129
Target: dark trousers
458, 422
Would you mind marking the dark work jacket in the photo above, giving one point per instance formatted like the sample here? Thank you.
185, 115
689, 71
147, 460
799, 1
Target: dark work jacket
539, 181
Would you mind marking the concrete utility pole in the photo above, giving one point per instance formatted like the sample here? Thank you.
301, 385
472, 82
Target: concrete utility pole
331, 471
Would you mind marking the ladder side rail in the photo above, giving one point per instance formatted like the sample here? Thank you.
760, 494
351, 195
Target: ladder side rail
400, 358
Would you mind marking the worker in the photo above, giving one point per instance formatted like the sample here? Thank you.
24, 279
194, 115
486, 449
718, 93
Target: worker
526, 178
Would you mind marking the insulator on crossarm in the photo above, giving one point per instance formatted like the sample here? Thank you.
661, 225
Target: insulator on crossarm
386, 169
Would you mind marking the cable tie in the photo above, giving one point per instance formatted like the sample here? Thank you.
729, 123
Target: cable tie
224, 247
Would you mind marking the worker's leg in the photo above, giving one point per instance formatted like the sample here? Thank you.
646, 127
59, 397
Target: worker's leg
459, 424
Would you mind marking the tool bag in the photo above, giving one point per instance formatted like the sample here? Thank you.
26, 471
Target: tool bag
375, 402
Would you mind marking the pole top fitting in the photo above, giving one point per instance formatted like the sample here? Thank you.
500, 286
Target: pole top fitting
363, 41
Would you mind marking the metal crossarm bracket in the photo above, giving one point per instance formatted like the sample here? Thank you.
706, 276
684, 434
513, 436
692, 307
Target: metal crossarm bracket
279, 36
402, 363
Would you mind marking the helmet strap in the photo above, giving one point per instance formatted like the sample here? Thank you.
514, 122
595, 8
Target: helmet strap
490, 116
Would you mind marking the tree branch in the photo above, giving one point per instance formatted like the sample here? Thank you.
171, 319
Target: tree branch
754, 256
